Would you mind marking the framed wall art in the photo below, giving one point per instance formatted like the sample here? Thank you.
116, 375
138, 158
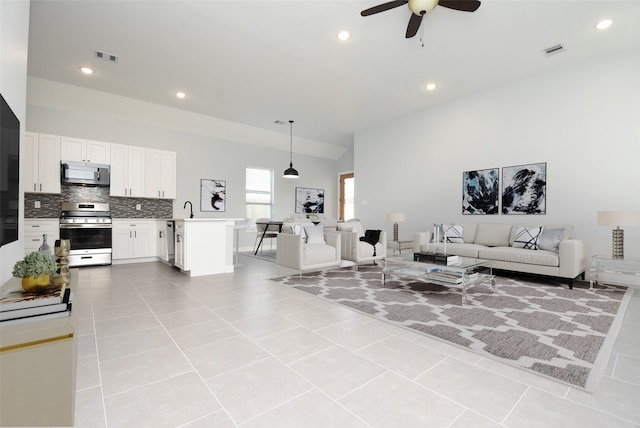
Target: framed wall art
213, 195
524, 189
481, 191
309, 200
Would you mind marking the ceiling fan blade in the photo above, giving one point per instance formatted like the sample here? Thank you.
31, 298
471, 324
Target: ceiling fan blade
414, 24
382, 7
463, 5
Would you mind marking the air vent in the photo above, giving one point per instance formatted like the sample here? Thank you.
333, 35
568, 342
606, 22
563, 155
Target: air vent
107, 56
554, 50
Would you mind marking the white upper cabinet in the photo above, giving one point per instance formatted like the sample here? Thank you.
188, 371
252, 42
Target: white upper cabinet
127, 171
160, 174
80, 150
42, 163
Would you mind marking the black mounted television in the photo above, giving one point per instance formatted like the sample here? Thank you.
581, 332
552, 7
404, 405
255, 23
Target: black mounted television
9, 173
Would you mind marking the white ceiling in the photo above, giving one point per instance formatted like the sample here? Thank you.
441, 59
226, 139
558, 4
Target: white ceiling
255, 62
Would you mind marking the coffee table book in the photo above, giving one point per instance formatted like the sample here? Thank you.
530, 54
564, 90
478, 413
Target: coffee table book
13, 298
438, 258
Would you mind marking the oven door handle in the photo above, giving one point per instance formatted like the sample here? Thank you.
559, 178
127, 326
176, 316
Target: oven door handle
85, 226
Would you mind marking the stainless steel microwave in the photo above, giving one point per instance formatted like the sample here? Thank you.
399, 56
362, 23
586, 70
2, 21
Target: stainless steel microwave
88, 174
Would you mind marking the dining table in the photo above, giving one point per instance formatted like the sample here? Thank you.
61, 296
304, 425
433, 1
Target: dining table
271, 226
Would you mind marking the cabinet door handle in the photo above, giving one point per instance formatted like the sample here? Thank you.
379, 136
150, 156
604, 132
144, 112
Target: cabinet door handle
34, 187
135, 233
159, 193
159, 234
130, 236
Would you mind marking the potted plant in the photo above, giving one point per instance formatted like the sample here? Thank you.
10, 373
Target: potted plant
34, 270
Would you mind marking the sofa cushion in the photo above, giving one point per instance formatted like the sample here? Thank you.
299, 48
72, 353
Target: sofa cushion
453, 233
314, 254
469, 232
351, 226
520, 255
366, 250
493, 235
527, 237
550, 239
315, 233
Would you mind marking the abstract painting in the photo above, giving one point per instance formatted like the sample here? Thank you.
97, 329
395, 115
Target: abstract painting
524, 189
480, 191
309, 201
212, 195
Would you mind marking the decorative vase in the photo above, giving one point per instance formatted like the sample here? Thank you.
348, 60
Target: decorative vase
32, 284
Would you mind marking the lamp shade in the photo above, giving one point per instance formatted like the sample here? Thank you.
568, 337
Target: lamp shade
395, 217
618, 218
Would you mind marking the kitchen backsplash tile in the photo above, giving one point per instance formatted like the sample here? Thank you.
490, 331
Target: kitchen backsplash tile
120, 207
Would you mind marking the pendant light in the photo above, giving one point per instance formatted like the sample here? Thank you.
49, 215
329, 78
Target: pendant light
290, 172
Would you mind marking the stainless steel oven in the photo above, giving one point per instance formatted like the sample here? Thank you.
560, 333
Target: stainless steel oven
88, 226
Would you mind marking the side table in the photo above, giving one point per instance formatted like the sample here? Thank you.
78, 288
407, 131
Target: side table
617, 271
399, 246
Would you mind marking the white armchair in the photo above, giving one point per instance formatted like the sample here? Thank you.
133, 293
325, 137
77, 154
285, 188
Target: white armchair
357, 251
322, 250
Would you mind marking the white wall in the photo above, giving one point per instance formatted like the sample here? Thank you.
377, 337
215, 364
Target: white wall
198, 155
584, 121
14, 38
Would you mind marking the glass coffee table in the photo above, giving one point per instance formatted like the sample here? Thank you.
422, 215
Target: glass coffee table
464, 274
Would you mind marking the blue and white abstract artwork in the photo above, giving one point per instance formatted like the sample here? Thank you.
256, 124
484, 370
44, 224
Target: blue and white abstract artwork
480, 190
524, 189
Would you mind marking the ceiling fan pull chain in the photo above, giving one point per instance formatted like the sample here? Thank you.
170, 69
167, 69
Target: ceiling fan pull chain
422, 35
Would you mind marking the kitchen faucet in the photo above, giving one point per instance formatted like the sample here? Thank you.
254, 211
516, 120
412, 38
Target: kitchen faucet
190, 206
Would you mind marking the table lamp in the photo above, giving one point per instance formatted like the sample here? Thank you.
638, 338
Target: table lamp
395, 218
617, 219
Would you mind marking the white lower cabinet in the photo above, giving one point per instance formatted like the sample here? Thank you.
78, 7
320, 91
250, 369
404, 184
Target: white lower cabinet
179, 245
161, 240
35, 228
134, 239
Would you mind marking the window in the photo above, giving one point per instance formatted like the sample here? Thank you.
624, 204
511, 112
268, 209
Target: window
259, 193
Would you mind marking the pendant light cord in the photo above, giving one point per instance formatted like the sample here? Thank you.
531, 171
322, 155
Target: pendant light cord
291, 143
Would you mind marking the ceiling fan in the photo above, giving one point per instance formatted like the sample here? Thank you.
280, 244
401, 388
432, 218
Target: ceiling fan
420, 8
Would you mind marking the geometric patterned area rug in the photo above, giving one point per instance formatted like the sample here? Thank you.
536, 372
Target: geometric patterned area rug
537, 325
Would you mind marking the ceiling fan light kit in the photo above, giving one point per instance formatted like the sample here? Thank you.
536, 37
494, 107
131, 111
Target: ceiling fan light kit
419, 8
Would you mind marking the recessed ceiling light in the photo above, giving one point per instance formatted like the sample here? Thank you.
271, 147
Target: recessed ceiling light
181, 95
431, 86
344, 35
604, 24
86, 70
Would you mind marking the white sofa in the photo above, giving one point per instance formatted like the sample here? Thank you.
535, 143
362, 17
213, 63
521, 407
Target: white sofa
557, 255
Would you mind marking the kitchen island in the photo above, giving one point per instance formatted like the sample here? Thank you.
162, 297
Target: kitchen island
204, 246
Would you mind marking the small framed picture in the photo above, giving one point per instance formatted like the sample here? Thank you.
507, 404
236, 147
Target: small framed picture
480, 191
524, 189
309, 200
213, 195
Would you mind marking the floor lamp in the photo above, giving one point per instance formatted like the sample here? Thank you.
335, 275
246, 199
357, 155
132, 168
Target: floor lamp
395, 218
617, 219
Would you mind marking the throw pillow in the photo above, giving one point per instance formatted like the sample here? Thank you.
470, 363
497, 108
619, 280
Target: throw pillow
550, 239
315, 234
453, 233
527, 237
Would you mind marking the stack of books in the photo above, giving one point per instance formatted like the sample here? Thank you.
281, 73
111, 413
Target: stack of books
437, 258
449, 277
17, 306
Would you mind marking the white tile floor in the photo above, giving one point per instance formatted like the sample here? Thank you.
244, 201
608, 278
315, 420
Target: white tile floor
159, 349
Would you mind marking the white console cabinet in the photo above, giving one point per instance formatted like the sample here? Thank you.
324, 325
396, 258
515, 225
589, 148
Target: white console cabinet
42, 163
133, 239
